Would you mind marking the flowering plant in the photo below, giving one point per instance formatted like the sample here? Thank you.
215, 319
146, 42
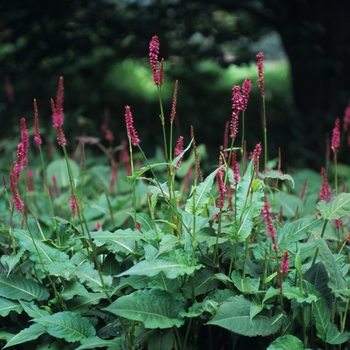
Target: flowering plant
127, 256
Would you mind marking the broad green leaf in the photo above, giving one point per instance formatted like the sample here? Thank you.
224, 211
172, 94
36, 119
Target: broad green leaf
203, 281
338, 207
288, 202
155, 308
161, 340
26, 335
198, 309
200, 195
67, 325
234, 315
82, 303
58, 168
336, 280
96, 342
271, 293
208, 234
89, 275
33, 310
10, 261
277, 174
255, 308
18, 287
247, 285
171, 269
292, 292
286, 342
295, 231
177, 159
8, 305
239, 231
335, 337
322, 316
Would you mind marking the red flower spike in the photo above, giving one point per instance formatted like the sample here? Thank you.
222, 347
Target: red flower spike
256, 155
325, 191
73, 205
131, 131
16, 199
270, 228
336, 136
179, 149
58, 115
153, 59
173, 107
236, 108
261, 83
221, 188
346, 121
246, 88
37, 137
285, 263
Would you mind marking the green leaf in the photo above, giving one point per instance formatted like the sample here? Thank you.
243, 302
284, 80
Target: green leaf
58, 168
286, 342
8, 305
67, 325
18, 287
33, 310
143, 170
161, 340
10, 261
335, 337
26, 335
203, 281
171, 269
292, 292
201, 195
295, 231
277, 174
322, 316
247, 285
234, 315
176, 160
208, 234
155, 308
198, 309
336, 280
338, 207
96, 342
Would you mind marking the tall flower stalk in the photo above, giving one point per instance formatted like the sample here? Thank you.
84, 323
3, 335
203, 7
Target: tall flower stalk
261, 83
335, 147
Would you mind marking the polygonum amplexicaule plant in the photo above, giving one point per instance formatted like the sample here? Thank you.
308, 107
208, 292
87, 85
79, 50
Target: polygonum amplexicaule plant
233, 262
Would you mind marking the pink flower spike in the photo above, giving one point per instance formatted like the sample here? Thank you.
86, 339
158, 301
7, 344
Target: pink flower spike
235, 167
57, 114
236, 108
285, 263
256, 155
325, 192
221, 188
173, 107
336, 136
153, 59
25, 141
346, 121
131, 131
246, 88
270, 228
179, 149
73, 205
16, 199
260, 57
37, 137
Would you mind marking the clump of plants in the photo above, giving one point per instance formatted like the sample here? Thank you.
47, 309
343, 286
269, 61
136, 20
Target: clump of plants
135, 253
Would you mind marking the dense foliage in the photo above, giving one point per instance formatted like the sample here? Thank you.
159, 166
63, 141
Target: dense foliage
126, 252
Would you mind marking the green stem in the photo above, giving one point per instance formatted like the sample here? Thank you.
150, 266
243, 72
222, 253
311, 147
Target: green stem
322, 234
265, 133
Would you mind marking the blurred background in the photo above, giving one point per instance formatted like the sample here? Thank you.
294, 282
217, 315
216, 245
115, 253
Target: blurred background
101, 49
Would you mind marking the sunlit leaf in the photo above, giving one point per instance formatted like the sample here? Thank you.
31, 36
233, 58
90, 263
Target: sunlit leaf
286, 342
96, 342
32, 310
200, 196
8, 305
277, 174
338, 207
58, 168
246, 285
155, 308
234, 315
18, 287
335, 337
67, 325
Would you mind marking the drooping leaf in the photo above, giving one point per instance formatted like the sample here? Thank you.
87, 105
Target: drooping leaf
208, 234
292, 292
201, 195
277, 174
295, 231
32, 310
67, 325
234, 315
336, 280
10, 261
21, 288
255, 308
8, 305
96, 342
198, 309
143, 170
338, 207
155, 308
334, 337
286, 342
322, 316
171, 269
245, 285
26, 335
